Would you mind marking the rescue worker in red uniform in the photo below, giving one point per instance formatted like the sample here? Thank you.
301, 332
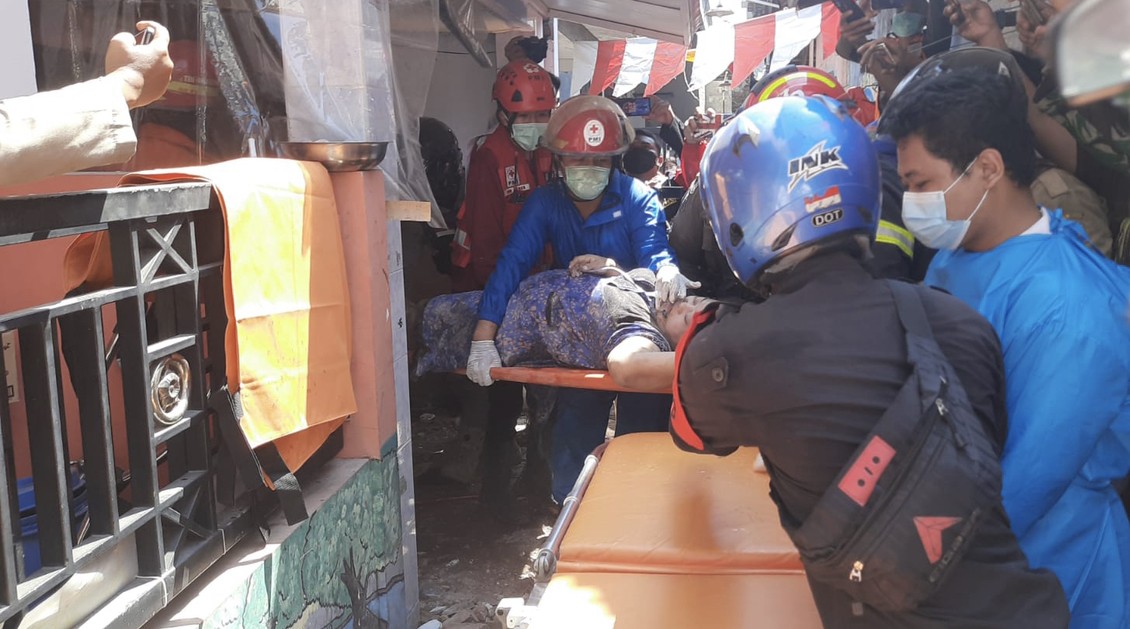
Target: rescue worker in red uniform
506, 167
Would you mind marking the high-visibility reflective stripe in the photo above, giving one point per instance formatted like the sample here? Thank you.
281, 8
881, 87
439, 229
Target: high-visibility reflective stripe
892, 234
461, 249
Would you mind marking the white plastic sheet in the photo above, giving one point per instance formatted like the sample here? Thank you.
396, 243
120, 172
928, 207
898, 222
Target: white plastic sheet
300, 70
341, 80
795, 31
584, 65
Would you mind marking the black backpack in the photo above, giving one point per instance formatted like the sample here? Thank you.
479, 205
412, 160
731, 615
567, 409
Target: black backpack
904, 509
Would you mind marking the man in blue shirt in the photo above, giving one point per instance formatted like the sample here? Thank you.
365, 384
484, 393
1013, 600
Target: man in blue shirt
967, 157
593, 210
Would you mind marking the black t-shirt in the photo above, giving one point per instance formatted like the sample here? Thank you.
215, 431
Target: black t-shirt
627, 304
807, 374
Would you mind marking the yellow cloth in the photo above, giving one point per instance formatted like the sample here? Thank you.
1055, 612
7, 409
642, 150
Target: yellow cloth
288, 337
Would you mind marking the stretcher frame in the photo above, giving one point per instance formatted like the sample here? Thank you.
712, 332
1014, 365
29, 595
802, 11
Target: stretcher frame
545, 563
567, 377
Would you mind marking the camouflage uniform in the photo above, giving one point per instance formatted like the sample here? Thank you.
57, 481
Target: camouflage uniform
1101, 129
1102, 132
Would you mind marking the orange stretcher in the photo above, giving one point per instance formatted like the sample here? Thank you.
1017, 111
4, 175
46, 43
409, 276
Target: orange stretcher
655, 537
559, 377
651, 507
676, 601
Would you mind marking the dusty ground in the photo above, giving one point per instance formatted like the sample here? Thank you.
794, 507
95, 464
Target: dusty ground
468, 560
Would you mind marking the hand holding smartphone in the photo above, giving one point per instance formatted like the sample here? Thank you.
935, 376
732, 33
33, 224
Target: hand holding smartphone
1036, 12
145, 36
850, 9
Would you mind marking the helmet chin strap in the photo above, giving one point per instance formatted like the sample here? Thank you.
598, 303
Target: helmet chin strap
510, 118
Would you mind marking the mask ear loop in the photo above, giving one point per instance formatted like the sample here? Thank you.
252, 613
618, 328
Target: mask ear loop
963, 174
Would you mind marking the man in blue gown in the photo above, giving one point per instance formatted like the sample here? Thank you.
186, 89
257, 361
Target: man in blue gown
967, 157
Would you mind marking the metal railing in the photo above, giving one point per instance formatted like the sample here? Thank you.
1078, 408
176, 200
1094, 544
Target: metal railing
166, 250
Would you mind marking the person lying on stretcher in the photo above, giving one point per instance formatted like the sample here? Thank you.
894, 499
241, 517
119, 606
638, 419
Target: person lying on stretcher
591, 316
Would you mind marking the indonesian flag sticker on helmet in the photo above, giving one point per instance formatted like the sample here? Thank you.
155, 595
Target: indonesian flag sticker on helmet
588, 126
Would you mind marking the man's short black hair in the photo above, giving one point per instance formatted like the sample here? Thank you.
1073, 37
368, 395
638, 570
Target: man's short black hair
961, 113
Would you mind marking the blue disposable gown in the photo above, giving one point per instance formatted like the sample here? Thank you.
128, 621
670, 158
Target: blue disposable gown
1060, 310
627, 227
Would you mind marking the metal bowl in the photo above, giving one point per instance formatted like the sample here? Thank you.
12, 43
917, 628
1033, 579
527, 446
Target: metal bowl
338, 156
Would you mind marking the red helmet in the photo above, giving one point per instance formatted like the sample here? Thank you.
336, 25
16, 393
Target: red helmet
795, 81
588, 125
523, 86
191, 84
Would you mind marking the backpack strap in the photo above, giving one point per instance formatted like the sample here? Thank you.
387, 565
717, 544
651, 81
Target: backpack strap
912, 315
892, 434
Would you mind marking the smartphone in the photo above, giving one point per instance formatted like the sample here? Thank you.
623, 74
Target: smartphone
1032, 11
634, 106
847, 7
850, 9
145, 36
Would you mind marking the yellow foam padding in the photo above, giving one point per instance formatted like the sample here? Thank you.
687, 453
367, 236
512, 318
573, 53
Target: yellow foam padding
676, 601
653, 508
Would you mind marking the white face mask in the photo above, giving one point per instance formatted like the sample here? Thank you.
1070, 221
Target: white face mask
527, 134
586, 182
924, 214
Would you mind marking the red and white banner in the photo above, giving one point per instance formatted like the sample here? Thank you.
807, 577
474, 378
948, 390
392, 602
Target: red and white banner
829, 28
795, 31
783, 34
623, 64
670, 60
713, 54
636, 66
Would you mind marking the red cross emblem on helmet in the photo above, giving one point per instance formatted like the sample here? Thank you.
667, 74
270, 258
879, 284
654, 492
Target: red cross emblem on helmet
588, 125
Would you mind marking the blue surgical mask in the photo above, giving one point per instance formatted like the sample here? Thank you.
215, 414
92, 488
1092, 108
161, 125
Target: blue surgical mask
924, 214
527, 134
586, 182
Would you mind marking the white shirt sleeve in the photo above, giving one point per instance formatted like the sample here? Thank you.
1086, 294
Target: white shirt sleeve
60, 131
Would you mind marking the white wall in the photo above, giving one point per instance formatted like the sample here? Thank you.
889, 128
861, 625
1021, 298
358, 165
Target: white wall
460, 93
17, 72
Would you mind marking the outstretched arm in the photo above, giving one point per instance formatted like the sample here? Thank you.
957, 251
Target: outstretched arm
637, 363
